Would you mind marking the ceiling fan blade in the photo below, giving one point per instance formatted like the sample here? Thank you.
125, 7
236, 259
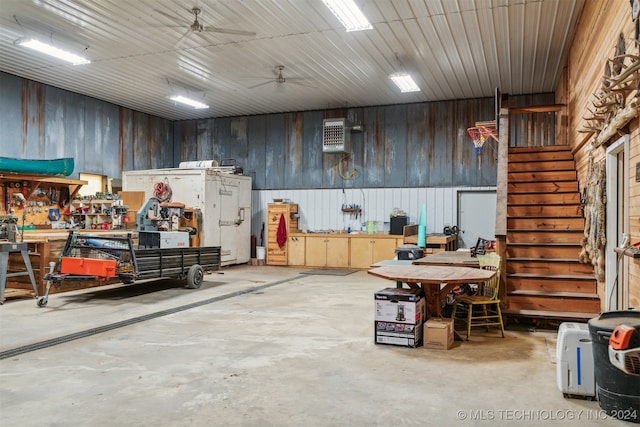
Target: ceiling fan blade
165, 14
211, 29
293, 82
261, 84
182, 38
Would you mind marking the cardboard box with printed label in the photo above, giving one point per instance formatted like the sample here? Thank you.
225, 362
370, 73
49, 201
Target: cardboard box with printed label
438, 333
400, 305
401, 334
399, 315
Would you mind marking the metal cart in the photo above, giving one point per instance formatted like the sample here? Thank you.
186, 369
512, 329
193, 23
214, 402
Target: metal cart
95, 257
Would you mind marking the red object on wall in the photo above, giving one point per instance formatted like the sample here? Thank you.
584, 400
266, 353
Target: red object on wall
281, 234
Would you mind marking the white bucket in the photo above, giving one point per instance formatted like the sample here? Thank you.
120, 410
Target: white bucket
260, 252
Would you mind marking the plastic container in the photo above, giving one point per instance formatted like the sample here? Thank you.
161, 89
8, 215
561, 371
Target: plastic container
372, 227
574, 361
260, 252
618, 392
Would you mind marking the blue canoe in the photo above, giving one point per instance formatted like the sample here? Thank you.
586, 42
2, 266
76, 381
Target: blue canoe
60, 167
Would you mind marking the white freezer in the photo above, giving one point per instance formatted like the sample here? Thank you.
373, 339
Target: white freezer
224, 200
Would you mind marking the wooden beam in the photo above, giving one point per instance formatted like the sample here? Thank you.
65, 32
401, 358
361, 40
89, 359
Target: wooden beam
537, 109
503, 170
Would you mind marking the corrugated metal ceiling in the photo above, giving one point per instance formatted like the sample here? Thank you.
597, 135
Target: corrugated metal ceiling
455, 49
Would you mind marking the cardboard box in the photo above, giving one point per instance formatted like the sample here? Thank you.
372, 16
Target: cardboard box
438, 333
400, 305
401, 334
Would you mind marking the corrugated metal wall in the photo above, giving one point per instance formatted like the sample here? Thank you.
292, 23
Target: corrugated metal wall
409, 145
44, 122
408, 155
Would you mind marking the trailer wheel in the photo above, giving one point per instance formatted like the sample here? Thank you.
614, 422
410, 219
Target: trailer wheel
195, 275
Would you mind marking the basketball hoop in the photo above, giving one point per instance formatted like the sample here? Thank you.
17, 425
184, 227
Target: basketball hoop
478, 139
479, 135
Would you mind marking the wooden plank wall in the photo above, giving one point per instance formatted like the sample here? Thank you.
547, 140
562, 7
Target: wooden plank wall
596, 36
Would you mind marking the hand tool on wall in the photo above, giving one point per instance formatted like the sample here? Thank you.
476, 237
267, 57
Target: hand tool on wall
7, 201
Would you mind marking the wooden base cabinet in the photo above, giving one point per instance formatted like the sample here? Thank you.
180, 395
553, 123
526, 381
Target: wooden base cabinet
326, 251
296, 251
366, 251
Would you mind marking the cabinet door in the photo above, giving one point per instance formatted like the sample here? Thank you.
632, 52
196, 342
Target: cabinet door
296, 251
383, 249
337, 252
316, 251
361, 252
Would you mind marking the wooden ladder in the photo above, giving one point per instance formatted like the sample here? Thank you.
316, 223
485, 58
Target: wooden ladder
545, 226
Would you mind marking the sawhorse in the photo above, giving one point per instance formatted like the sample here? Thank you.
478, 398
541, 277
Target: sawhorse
7, 248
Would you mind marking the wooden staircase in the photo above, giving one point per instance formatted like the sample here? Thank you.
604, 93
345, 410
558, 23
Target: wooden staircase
545, 225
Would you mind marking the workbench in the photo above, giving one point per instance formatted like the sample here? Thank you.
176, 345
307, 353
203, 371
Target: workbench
435, 242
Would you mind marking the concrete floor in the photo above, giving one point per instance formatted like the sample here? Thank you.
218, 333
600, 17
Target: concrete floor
298, 350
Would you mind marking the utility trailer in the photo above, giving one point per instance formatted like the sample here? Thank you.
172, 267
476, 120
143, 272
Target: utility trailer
103, 258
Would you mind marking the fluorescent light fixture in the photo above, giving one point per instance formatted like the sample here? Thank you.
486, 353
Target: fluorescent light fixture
188, 101
47, 49
349, 14
404, 82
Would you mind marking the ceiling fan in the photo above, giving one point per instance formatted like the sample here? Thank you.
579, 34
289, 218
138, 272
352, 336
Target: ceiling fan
281, 80
197, 27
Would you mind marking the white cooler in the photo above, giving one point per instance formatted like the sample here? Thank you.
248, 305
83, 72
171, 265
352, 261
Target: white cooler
574, 361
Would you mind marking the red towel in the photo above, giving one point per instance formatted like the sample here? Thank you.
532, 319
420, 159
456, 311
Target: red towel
281, 235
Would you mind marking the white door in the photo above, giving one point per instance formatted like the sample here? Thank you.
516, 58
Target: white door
476, 217
617, 220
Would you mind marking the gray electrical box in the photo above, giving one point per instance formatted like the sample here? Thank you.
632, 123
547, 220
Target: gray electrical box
335, 136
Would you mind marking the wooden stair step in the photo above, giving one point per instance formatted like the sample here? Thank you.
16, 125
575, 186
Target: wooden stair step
548, 266
544, 250
543, 199
539, 156
542, 165
561, 211
548, 187
545, 244
555, 294
553, 176
536, 149
552, 283
562, 315
553, 303
545, 223
516, 236
554, 276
